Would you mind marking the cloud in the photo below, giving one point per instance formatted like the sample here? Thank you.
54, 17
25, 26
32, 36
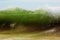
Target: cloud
33, 0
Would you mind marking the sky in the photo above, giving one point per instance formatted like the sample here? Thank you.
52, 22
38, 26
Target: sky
31, 4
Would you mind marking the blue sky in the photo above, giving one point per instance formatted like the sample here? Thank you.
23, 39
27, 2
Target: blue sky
30, 4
